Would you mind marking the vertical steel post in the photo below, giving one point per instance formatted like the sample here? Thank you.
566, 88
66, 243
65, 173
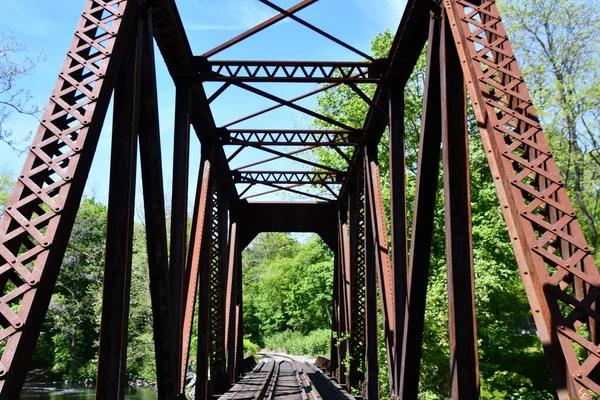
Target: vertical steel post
343, 328
357, 293
231, 298
179, 216
204, 269
218, 367
377, 222
398, 217
154, 207
335, 321
198, 243
423, 217
371, 322
112, 354
459, 252
239, 316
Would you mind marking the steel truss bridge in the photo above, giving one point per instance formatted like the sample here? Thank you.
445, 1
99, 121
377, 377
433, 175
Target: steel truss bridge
112, 54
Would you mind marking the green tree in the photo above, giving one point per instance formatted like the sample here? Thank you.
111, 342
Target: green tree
15, 63
287, 286
556, 42
72, 314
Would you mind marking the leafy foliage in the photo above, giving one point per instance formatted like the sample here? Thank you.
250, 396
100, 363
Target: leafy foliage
287, 285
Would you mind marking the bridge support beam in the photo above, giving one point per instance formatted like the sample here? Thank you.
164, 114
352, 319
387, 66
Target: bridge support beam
112, 353
423, 217
154, 213
179, 218
464, 363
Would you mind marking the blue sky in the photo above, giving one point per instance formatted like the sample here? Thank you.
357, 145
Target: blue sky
49, 25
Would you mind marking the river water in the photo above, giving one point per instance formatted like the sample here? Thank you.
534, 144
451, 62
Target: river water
56, 391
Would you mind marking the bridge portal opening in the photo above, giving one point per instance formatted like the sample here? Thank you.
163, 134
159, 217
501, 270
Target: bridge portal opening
287, 289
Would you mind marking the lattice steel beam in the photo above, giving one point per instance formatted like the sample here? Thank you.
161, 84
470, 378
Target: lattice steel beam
357, 293
551, 250
289, 137
289, 71
39, 216
273, 177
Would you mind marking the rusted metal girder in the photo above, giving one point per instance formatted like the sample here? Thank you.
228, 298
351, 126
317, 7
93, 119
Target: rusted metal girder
371, 270
204, 249
290, 137
399, 261
112, 351
464, 364
357, 291
307, 177
535, 203
289, 71
341, 300
423, 217
231, 300
218, 271
50, 185
239, 316
199, 248
379, 240
179, 218
154, 214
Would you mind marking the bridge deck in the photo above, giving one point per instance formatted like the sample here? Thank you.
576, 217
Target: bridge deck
286, 378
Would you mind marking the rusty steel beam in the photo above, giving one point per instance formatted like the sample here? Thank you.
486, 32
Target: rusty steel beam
357, 292
377, 226
66, 138
290, 189
271, 21
204, 250
527, 180
371, 270
179, 217
288, 71
230, 301
319, 218
274, 177
344, 283
423, 219
218, 276
198, 245
398, 224
154, 214
290, 137
112, 351
335, 318
464, 364
239, 315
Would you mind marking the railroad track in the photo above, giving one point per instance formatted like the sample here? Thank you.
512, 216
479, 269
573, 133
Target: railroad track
279, 377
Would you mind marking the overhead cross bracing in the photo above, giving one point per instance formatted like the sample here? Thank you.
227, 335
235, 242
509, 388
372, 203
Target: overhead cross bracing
112, 54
